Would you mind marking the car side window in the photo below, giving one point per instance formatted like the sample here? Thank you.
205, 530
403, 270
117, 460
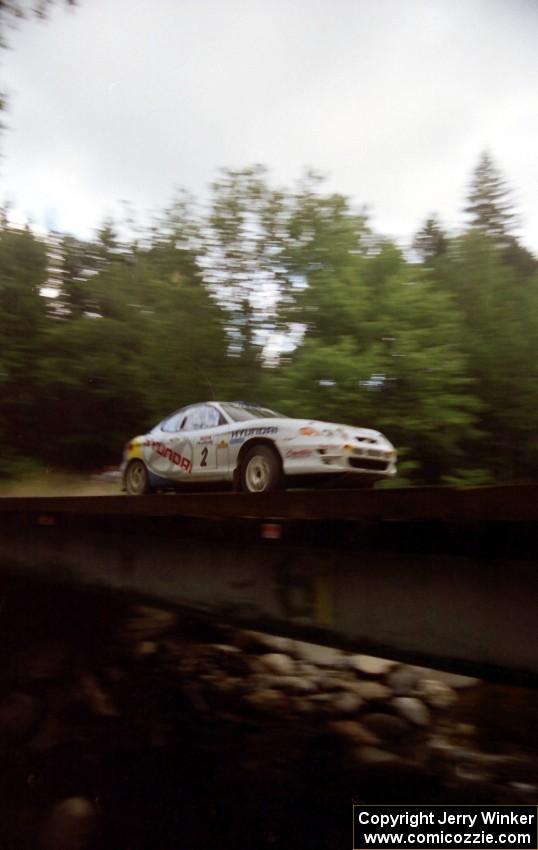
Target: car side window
212, 417
173, 423
201, 417
194, 419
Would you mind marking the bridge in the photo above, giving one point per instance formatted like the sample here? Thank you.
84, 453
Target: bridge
442, 577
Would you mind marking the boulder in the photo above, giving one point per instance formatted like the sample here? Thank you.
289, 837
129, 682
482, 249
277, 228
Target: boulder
321, 656
368, 665
278, 663
412, 709
353, 732
388, 727
69, 825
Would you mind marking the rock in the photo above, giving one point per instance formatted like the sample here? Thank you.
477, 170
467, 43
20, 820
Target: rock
465, 730
323, 700
281, 644
369, 691
440, 745
524, 790
19, 715
96, 699
412, 709
472, 774
228, 658
505, 766
386, 726
353, 731
367, 665
146, 622
328, 682
321, 656
302, 668
278, 663
436, 693
302, 706
268, 701
69, 825
146, 647
451, 680
474, 765
296, 685
403, 680
223, 686
346, 703
224, 650
251, 641
374, 756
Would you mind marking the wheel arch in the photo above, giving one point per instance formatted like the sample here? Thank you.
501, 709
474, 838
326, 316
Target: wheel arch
248, 444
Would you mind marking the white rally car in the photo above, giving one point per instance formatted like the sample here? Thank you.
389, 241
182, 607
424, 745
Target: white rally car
251, 447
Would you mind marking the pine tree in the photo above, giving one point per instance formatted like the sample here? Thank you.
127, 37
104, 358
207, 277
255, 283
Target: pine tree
489, 204
430, 241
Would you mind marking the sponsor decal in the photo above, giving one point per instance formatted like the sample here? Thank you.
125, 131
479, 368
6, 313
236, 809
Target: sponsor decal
174, 457
206, 438
222, 445
243, 433
299, 453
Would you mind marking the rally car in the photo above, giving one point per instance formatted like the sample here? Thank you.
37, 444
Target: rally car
252, 448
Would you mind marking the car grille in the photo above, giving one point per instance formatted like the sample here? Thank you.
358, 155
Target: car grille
368, 463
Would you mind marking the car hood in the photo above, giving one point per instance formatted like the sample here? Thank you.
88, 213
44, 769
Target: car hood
340, 431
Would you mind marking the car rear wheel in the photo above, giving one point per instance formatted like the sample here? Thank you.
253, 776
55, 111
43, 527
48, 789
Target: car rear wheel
260, 470
136, 479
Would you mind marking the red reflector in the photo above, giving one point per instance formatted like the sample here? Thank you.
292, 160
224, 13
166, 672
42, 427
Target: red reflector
271, 531
46, 520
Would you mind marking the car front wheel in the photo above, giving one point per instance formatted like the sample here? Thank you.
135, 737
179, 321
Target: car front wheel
136, 479
260, 470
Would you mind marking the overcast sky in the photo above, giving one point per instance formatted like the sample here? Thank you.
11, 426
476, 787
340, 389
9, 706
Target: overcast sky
392, 99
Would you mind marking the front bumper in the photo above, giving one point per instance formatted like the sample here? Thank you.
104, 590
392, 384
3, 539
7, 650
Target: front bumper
374, 461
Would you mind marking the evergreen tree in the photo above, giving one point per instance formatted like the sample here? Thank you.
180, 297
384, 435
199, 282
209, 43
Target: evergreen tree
23, 266
430, 241
521, 259
489, 205
499, 308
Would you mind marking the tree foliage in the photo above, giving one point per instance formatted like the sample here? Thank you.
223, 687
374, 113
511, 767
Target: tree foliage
286, 297
489, 206
431, 241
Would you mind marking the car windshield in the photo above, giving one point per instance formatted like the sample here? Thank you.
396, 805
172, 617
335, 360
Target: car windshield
240, 411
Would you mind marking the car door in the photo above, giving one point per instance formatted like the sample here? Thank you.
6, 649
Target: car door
168, 452
204, 430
